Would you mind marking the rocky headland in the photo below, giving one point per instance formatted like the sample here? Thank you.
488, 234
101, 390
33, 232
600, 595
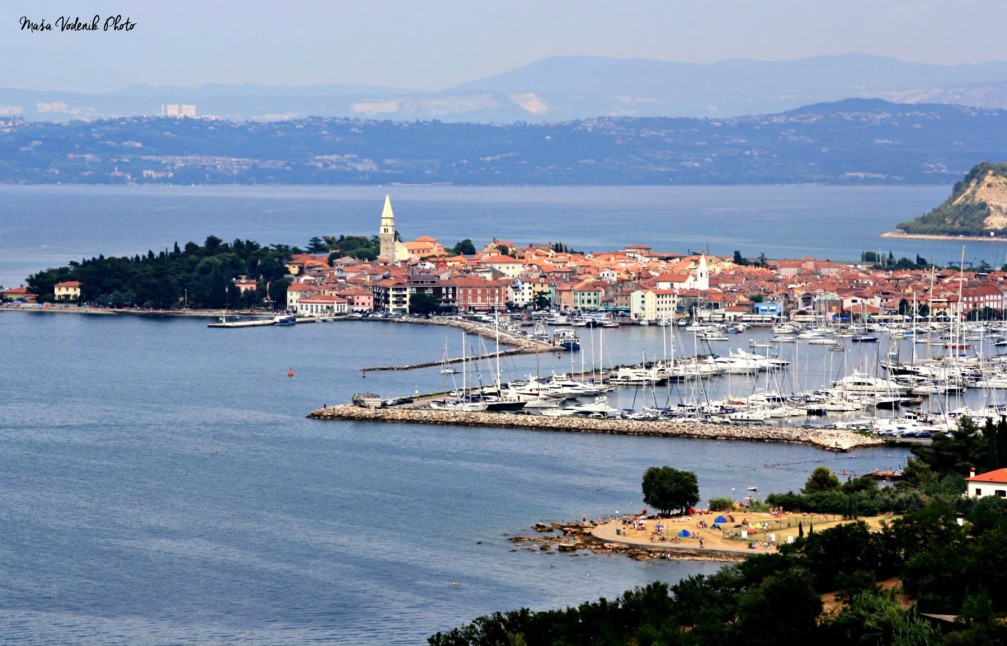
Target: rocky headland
977, 208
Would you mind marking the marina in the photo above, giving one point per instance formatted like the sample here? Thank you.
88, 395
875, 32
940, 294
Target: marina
798, 384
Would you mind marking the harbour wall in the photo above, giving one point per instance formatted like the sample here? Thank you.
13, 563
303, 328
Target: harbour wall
827, 439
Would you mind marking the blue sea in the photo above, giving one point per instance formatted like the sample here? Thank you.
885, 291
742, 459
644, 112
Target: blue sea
160, 483
46, 226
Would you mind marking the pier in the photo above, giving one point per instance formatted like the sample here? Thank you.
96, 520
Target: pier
519, 345
827, 439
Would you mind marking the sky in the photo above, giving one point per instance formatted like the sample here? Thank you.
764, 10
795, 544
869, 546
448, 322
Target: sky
436, 44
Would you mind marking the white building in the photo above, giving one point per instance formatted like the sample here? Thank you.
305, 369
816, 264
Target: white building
991, 483
322, 305
653, 304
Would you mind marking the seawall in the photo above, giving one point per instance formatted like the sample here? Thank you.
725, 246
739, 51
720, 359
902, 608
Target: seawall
827, 439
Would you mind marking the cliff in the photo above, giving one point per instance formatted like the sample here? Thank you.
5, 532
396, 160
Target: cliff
977, 206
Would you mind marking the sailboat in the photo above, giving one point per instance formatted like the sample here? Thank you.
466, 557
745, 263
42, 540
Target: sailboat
461, 402
446, 368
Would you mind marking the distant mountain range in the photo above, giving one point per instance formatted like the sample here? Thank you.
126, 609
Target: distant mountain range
559, 89
856, 141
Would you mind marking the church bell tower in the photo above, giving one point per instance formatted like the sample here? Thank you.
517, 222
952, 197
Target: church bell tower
387, 235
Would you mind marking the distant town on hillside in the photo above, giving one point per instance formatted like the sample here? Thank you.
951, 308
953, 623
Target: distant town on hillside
849, 142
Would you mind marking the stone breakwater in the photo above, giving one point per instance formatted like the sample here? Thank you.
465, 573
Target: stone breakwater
828, 439
518, 344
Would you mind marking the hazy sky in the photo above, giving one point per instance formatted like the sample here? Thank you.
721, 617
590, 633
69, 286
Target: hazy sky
434, 44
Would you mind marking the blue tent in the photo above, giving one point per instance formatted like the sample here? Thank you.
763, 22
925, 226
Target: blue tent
720, 519
684, 532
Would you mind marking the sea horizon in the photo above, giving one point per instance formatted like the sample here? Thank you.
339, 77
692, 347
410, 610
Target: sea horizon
50, 225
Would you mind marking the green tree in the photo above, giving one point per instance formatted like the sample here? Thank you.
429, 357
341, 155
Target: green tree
783, 609
821, 480
667, 489
422, 304
317, 245
464, 248
278, 293
955, 453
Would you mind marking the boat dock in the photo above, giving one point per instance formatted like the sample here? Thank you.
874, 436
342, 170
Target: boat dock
827, 439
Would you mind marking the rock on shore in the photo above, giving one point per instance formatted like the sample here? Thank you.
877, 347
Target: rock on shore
828, 439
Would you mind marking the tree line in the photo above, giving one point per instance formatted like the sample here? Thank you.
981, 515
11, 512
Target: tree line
197, 276
947, 554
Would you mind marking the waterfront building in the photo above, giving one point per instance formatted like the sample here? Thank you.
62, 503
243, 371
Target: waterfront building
391, 295
587, 296
297, 291
322, 305
18, 295
357, 299
653, 304
478, 294
68, 290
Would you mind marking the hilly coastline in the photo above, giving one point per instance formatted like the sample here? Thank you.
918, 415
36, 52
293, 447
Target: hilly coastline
977, 207
851, 142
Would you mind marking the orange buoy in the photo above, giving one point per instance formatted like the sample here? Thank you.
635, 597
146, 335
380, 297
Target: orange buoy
290, 373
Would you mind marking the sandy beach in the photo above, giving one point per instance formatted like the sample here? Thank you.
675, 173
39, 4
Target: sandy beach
739, 535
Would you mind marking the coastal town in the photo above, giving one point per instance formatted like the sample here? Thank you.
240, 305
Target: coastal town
637, 283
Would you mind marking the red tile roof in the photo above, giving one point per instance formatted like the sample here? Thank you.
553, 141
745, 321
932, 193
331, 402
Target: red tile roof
999, 475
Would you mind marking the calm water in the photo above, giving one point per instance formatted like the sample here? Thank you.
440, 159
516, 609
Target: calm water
159, 483
42, 226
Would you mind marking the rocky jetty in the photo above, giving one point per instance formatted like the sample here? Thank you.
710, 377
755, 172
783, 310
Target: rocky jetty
828, 439
518, 344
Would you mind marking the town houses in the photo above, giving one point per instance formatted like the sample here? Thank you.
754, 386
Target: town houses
637, 282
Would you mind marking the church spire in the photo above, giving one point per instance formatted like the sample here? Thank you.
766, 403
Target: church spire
387, 232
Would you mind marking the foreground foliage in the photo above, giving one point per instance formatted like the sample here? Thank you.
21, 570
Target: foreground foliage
943, 565
945, 568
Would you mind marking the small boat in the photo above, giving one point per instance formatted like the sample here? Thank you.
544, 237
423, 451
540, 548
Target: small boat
566, 339
864, 338
753, 488
285, 320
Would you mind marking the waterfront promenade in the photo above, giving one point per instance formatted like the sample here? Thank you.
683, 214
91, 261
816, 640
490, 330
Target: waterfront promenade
827, 439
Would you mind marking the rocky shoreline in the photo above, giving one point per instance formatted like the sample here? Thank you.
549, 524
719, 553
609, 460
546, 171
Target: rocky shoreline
936, 236
827, 439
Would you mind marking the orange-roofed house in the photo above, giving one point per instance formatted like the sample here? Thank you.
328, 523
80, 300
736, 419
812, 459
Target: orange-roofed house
297, 291
991, 483
68, 290
510, 267
245, 284
305, 262
424, 246
19, 294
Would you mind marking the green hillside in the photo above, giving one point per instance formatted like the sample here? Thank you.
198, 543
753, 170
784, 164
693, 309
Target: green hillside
977, 206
